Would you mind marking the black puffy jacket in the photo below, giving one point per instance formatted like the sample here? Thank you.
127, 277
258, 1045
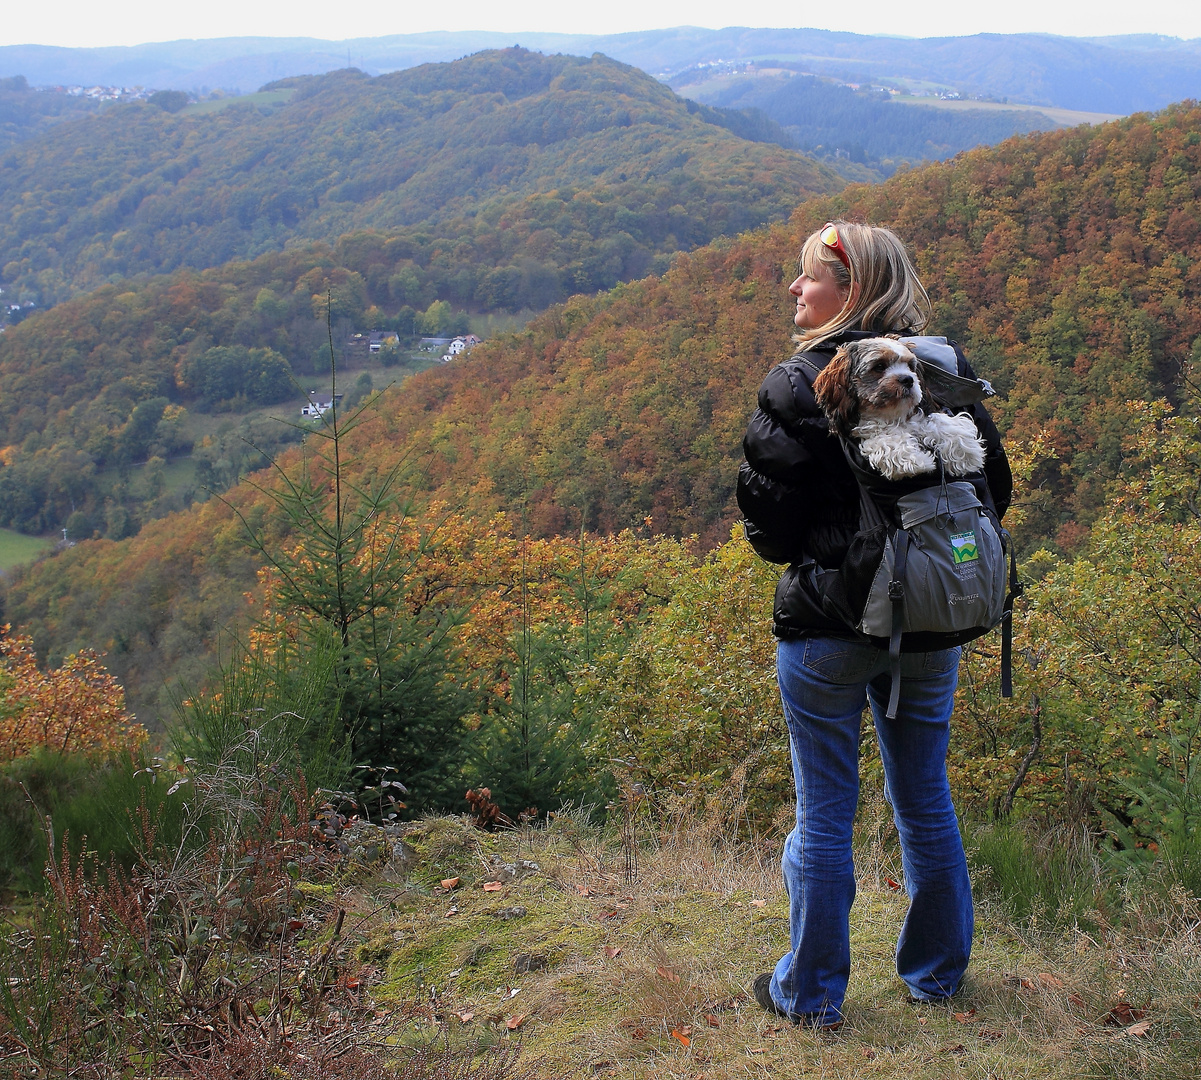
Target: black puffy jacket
800, 499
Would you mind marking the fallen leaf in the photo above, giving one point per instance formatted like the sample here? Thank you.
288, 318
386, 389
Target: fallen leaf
452, 912
1026, 984
712, 1020
1047, 979
1076, 1000
606, 914
466, 1017
492, 886
965, 1017
583, 890
922, 1020
1137, 1030
450, 883
758, 903
295, 924
868, 1053
514, 1022
958, 1048
612, 951
668, 974
351, 983
1123, 1013
986, 1034
684, 1040
894, 885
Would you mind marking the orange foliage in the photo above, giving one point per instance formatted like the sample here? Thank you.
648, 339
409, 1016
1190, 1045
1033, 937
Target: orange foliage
583, 587
77, 707
1065, 263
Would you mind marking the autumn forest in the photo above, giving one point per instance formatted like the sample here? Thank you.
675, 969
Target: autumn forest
522, 569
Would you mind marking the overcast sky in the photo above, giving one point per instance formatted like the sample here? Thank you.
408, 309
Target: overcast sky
129, 22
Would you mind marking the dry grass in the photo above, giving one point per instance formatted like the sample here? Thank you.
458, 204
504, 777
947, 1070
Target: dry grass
542, 953
605, 977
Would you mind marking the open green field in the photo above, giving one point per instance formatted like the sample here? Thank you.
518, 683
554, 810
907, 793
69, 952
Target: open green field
17, 548
265, 97
1067, 117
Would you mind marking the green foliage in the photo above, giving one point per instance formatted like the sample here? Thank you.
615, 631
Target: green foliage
267, 708
1113, 654
25, 113
1046, 878
452, 154
168, 100
221, 377
532, 748
343, 577
102, 804
692, 705
1160, 818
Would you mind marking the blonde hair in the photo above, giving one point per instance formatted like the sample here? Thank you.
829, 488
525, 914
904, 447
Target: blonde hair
885, 294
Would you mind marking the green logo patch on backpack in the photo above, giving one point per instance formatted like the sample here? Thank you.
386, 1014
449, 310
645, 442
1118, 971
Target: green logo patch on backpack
963, 547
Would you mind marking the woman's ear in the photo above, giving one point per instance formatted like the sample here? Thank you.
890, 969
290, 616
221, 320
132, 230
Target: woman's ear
832, 391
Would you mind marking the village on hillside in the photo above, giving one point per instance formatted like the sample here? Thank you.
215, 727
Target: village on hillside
381, 343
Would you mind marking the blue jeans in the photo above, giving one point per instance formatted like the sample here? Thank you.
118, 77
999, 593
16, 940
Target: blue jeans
824, 683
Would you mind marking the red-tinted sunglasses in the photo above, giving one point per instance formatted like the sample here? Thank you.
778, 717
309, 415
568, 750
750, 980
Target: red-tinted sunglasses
829, 237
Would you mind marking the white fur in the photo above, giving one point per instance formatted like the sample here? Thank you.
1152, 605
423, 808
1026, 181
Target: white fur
897, 448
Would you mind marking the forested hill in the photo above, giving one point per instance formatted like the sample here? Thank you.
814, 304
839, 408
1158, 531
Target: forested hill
1066, 263
452, 153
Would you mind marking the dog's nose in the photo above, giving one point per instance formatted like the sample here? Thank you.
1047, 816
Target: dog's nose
905, 381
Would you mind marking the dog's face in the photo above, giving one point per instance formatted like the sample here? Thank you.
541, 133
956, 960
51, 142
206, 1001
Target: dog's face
875, 377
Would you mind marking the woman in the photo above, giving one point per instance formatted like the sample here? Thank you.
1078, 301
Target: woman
801, 504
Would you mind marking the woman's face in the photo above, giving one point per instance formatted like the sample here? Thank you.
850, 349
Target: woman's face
818, 299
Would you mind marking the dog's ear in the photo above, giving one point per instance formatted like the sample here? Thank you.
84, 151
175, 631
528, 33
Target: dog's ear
833, 393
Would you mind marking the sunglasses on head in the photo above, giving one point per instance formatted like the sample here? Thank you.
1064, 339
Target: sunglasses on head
829, 237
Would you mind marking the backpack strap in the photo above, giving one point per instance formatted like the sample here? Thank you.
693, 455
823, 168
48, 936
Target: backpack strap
1015, 590
896, 593
870, 515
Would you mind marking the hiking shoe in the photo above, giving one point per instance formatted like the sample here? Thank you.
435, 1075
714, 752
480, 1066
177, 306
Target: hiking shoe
762, 991
944, 1002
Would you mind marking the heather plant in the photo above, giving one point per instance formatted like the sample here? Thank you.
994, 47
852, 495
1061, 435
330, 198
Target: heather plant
165, 960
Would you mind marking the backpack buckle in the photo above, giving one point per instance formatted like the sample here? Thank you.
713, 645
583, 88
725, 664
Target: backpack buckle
896, 590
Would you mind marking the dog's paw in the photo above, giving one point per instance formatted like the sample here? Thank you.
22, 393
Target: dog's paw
956, 441
896, 455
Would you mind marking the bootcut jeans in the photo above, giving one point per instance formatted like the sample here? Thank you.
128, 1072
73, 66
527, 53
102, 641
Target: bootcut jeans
824, 684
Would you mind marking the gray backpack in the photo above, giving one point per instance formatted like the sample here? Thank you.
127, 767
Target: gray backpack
933, 573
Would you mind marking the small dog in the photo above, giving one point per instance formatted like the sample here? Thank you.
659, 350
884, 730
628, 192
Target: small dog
871, 392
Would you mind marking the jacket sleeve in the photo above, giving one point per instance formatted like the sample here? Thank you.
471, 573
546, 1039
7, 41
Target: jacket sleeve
789, 464
996, 463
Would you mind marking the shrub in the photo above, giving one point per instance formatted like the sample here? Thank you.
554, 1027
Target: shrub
103, 803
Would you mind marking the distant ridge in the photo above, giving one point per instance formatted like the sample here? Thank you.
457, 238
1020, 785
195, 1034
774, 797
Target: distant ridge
1112, 75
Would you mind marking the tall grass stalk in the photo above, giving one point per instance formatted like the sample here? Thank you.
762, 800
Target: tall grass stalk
269, 708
